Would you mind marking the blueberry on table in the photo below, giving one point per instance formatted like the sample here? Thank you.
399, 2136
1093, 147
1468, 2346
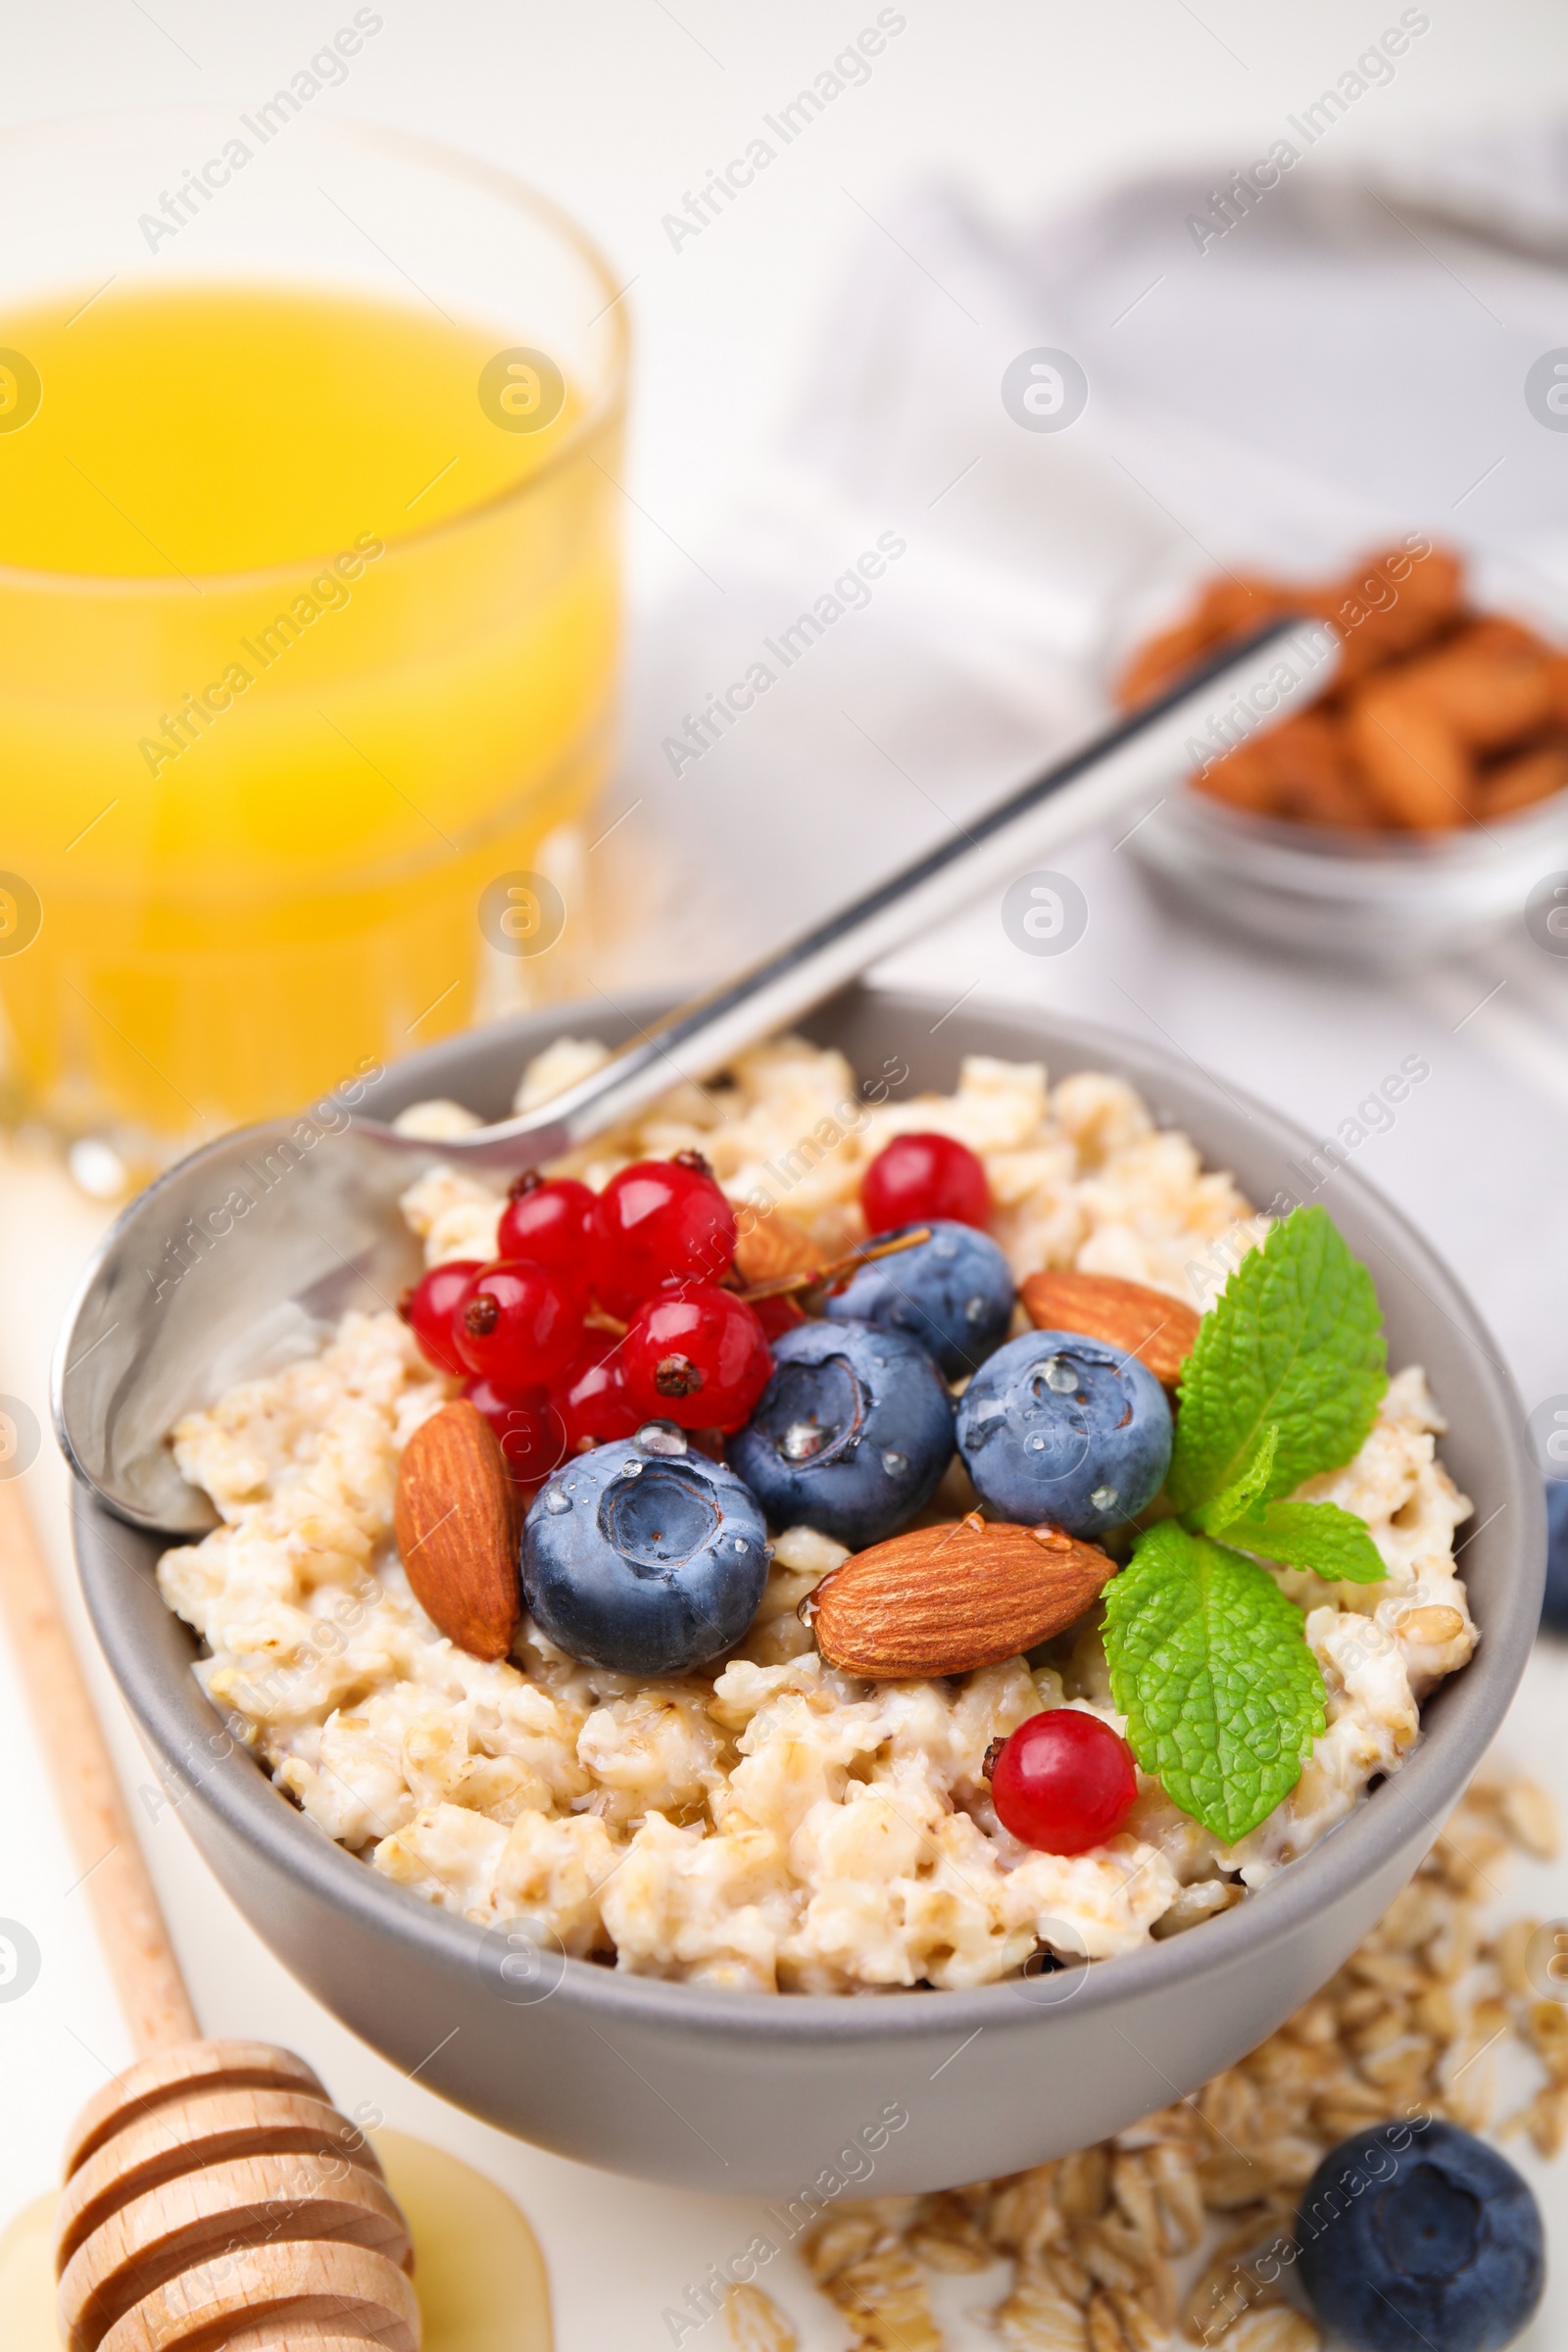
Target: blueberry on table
1420, 2238
1555, 1604
644, 1556
1059, 1427
852, 1435
953, 1293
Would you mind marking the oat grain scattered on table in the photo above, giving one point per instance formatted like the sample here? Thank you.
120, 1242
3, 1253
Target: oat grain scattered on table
1164, 2236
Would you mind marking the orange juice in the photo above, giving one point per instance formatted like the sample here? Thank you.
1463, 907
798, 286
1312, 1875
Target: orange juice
308, 629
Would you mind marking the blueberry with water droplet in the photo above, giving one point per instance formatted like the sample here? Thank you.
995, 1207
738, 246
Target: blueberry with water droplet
655, 1562
662, 1438
1063, 1427
845, 1404
953, 1293
1554, 1606
1419, 2236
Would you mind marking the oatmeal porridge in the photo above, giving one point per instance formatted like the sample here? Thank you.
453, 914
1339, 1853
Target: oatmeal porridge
762, 1819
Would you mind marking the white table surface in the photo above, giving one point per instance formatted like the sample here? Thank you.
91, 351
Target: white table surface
617, 107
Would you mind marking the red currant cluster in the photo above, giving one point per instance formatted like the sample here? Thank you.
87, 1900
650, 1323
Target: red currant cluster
598, 1313
601, 1313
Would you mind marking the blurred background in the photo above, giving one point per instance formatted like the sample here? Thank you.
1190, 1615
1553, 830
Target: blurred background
1055, 318
1283, 374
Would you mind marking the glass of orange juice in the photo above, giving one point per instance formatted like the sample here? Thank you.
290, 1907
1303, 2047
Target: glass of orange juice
308, 601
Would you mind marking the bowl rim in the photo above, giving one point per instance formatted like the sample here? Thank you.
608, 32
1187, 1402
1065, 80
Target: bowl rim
256, 1813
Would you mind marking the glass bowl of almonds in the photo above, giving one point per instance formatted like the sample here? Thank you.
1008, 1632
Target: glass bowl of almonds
1410, 810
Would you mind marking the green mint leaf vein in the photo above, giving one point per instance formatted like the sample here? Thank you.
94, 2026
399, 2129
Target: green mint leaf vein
1292, 1339
1312, 1535
1233, 1501
1209, 1664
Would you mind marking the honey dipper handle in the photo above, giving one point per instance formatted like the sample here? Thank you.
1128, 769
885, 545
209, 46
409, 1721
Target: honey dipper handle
130, 1925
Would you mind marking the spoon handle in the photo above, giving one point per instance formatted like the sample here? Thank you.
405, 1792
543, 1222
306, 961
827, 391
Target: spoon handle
1098, 781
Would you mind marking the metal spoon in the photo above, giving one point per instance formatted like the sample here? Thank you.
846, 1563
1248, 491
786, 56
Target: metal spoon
239, 1258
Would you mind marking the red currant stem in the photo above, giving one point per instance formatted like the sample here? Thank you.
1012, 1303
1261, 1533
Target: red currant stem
597, 1319
992, 1753
838, 1276
779, 1285
831, 1279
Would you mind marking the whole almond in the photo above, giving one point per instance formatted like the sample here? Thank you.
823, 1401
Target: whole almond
947, 1599
1157, 1330
770, 1245
457, 1530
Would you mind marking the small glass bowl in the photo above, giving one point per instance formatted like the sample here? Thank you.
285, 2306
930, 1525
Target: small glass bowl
1385, 900
1381, 900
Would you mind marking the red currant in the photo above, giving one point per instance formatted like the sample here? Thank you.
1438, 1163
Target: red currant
697, 1356
590, 1397
918, 1177
660, 1222
527, 1427
1063, 1781
547, 1221
517, 1325
428, 1310
777, 1315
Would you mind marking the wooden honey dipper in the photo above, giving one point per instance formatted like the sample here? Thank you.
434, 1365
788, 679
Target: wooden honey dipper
214, 2196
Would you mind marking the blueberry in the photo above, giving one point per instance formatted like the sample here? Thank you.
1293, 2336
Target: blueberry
1063, 1427
1420, 2238
1554, 1605
954, 1293
644, 1556
852, 1433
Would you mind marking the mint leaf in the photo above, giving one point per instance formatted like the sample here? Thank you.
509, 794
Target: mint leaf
1209, 1664
1234, 1500
1312, 1535
1292, 1339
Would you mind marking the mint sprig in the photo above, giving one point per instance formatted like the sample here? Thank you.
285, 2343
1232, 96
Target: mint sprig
1245, 1490
1293, 1340
1312, 1535
1208, 1658
1222, 1696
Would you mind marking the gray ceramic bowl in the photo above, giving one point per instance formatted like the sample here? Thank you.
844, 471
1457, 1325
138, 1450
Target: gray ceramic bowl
743, 2092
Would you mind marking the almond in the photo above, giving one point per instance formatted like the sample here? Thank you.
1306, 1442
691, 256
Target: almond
1157, 1330
457, 1530
947, 1599
768, 1245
